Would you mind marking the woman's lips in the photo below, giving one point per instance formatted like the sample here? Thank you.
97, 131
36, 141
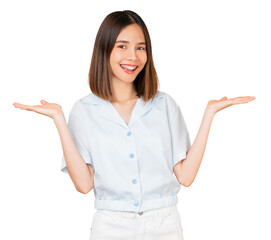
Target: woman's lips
128, 70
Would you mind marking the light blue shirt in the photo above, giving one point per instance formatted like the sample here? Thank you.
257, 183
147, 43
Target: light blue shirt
133, 163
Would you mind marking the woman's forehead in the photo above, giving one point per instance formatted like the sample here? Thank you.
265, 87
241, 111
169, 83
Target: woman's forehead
131, 33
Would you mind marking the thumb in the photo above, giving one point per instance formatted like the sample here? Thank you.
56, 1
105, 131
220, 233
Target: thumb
43, 102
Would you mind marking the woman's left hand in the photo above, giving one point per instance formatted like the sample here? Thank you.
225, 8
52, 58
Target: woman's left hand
216, 105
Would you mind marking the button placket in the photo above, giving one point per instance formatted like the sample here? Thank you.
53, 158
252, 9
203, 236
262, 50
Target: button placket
132, 156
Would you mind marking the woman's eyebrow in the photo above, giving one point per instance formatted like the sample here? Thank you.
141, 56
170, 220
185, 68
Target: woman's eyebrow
124, 41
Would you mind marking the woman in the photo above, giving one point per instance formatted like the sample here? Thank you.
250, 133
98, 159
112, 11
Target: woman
126, 139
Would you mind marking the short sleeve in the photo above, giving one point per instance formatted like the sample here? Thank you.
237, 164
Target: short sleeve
78, 132
179, 134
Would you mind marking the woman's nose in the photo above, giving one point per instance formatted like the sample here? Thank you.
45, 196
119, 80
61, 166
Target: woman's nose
132, 55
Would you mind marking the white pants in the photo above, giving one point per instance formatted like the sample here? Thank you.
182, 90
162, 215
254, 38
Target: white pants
157, 224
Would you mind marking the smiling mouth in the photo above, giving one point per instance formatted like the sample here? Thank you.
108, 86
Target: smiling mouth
131, 68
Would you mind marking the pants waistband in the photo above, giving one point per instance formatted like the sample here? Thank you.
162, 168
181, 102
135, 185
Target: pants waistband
160, 212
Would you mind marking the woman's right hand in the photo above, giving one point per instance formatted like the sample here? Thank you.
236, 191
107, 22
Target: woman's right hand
52, 110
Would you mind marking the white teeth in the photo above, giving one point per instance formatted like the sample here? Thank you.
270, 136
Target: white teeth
128, 67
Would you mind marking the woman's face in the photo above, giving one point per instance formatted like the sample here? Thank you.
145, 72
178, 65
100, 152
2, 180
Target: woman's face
130, 52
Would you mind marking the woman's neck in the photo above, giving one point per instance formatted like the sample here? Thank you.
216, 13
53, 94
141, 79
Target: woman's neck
123, 92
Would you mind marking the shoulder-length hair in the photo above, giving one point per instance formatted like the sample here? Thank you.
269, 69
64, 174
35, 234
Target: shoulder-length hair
146, 82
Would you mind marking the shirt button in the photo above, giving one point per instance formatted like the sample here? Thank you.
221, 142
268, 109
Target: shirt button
131, 155
136, 204
134, 181
129, 134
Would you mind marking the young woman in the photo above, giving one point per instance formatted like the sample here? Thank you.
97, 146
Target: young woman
125, 139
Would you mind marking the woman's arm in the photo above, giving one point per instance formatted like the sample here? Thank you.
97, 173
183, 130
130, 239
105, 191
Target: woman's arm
81, 174
186, 170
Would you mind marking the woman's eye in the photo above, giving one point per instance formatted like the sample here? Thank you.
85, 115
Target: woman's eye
121, 46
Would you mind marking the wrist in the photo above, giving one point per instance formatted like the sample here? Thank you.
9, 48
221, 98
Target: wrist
59, 119
209, 112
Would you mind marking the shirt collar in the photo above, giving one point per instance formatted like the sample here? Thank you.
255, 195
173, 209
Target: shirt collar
107, 110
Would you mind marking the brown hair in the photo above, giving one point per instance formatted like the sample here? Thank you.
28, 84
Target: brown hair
146, 82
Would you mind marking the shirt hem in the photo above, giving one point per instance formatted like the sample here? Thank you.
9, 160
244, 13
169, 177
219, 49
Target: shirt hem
128, 205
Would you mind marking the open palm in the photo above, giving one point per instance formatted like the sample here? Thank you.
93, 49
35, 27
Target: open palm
217, 105
51, 110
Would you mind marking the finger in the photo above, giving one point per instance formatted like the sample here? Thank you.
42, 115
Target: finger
243, 97
26, 107
43, 101
19, 105
246, 98
224, 98
249, 98
241, 100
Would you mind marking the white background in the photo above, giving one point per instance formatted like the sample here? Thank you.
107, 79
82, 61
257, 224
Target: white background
202, 50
